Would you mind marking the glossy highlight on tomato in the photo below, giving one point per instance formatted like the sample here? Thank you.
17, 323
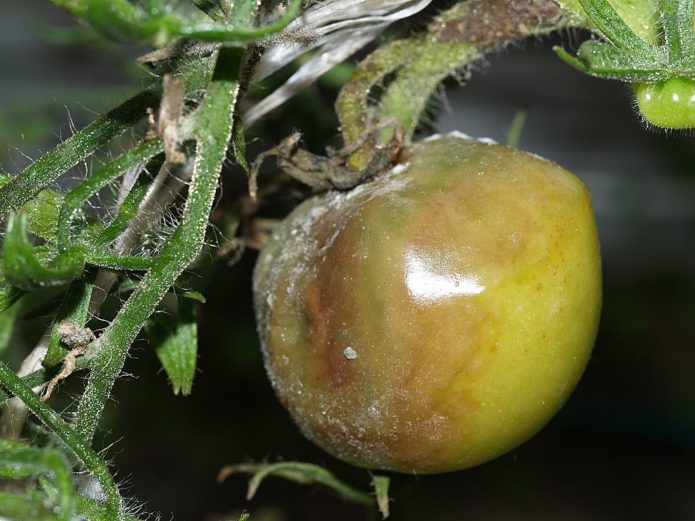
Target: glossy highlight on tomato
667, 104
438, 316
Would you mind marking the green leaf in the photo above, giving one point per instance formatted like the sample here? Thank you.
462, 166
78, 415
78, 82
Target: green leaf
194, 295
8, 319
684, 27
639, 15
381, 489
613, 27
55, 423
24, 269
42, 213
19, 460
177, 346
303, 473
124, 21
606, 60
23, 507
8, 293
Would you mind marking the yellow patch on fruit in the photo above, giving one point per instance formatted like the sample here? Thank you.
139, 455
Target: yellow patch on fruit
438, 316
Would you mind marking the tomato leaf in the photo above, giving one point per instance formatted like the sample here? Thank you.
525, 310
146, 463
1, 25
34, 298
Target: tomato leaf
303, 473
194, 295
42, 213
8, 293
23, 266
381, 489
177, 346
7, 322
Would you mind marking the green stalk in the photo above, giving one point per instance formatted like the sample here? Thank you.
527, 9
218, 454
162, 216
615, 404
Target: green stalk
122, 20
212, 131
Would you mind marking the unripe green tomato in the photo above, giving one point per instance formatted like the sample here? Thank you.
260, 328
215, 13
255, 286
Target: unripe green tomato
438, 316
667, 104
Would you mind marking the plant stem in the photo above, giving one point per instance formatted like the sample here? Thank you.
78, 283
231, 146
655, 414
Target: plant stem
212, 131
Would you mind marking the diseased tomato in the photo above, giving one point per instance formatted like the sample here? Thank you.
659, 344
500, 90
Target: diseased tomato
438, 316
668, 104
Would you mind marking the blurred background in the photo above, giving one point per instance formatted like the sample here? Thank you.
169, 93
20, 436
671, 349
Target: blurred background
624, 445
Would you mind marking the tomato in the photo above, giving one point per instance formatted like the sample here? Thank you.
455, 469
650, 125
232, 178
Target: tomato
667, 104
435, 317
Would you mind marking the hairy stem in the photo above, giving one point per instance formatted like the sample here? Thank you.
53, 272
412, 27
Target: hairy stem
454, 40
213, 126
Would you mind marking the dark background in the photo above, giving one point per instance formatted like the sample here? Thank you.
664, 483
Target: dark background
624, 445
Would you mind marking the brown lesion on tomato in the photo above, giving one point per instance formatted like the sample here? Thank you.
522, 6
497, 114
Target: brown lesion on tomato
328, 301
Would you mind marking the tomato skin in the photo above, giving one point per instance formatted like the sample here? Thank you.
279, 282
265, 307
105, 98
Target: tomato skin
667, 104
438, 316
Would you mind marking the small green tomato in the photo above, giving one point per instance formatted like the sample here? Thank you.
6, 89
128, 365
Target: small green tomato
438, 316
667, 104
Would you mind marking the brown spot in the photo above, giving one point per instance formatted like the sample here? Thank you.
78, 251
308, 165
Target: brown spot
327, 302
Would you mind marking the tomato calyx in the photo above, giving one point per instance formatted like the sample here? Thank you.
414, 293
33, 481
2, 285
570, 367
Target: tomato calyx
332, 172
662, 73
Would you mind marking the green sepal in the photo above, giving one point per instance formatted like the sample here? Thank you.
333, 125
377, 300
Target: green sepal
639, 15
607, 61
176, 345
23, 266
613, 27
686, 34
